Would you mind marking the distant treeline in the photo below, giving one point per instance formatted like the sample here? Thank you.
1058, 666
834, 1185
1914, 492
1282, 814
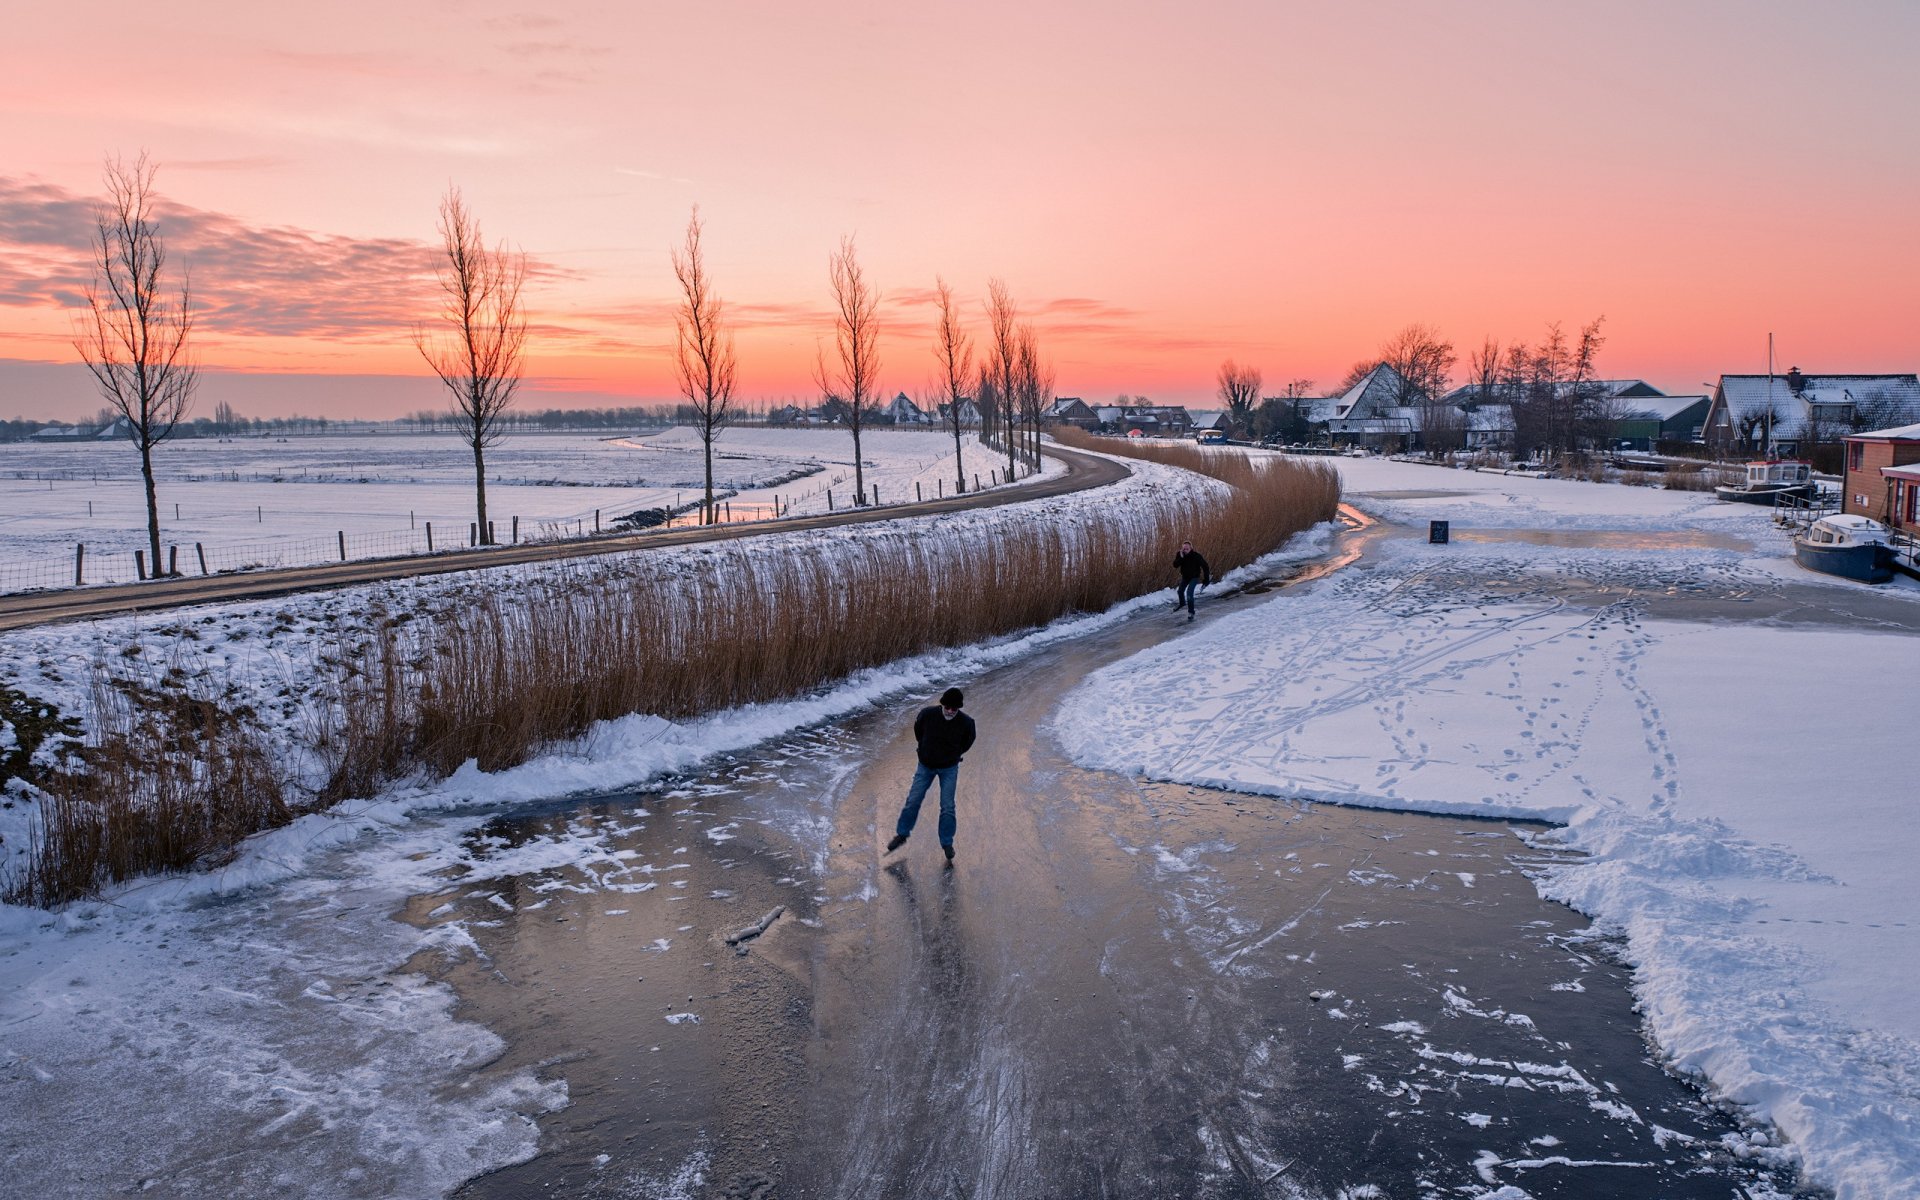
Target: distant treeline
228, 423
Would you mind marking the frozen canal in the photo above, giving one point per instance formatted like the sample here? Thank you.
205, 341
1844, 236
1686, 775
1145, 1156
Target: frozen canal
1121, 988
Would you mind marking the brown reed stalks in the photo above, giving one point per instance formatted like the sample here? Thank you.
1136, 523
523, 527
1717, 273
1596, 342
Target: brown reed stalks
511, 672
167, 780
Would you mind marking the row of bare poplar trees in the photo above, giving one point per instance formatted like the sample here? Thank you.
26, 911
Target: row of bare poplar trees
135, 335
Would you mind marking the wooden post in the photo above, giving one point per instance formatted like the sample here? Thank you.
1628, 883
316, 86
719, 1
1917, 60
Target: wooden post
79, 563
490, 538
728, 505
473, 533
173, 560
176, 512
976, 481
202, 552
343, 544
411, 524
516, 531
140, 564
429, 537
916, 492
829, 499
89, 510
260, 515
596, 520
876, 495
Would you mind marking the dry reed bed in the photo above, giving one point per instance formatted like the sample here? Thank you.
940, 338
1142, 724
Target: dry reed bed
506, 673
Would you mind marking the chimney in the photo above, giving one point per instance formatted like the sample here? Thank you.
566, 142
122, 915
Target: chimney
1796, 380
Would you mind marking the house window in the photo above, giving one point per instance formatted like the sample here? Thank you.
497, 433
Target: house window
1853, 455
1913, 503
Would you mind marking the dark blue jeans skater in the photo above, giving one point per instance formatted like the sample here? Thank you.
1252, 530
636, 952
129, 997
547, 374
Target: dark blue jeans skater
923, 778
1189, 588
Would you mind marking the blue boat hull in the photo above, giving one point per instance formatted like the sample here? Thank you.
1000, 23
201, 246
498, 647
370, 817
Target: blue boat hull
1869, 564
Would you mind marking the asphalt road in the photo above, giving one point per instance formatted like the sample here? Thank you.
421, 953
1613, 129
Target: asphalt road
41, 608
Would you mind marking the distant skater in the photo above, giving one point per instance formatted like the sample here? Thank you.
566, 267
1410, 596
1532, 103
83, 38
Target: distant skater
1194, 575
944, 733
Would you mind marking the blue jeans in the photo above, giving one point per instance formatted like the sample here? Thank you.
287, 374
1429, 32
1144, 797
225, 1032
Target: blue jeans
1189, 588
922, 780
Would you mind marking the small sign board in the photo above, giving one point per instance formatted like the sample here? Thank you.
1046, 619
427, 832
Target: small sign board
1437, 533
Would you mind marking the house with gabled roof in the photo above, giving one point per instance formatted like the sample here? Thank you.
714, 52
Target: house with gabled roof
1781, 412
1071, 410
902, 411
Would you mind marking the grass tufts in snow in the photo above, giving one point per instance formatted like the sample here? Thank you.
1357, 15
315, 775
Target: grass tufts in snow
515, 671
164, 780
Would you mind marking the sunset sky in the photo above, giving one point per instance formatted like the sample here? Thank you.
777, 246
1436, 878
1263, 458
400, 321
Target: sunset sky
1161, 186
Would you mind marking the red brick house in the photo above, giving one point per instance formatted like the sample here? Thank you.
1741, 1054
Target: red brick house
1882, 478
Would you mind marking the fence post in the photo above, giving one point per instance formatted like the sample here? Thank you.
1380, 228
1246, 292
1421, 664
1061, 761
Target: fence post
473, 533
516, 531
89, 510
202, 552
140, 564
79, 562
829, 499
260, 515
876, 495
343, 544
916, 491
728, 506
173, 560
596, 520
411, 524
429, 537
491, 540
976, 481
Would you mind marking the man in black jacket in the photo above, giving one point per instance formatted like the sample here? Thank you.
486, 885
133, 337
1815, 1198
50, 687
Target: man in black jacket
1194, 572
944, 734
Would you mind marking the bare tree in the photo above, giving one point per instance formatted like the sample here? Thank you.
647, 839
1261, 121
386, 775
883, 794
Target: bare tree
1033, 382
704, 360
853, 384
1239, 390
954, 348
1003, 358
1483, 368
134, 336
477, 356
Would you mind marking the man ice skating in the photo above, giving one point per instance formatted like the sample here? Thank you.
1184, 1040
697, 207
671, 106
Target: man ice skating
944, 733
1194, 574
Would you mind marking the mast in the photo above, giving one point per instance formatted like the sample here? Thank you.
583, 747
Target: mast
1769, 413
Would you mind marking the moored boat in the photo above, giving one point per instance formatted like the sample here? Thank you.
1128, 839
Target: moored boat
1847, 545
1771, 481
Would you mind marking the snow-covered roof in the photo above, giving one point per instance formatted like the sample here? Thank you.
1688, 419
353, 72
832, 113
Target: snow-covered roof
1379, 388
1900, 433
1908, 471
1752, 395
1491, 418
1666, 408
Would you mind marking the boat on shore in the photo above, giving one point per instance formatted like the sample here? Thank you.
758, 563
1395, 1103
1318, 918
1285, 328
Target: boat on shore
1770, 481
1848, 545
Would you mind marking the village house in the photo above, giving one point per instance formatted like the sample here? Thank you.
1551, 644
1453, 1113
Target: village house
1145, 420
1650, 420
902, 411
1071, 410
1882, 477
1785, 413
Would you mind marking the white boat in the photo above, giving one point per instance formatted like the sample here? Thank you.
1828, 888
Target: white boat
1770, 481
1848, 545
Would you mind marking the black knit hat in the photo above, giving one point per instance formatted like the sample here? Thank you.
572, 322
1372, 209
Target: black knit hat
951, 698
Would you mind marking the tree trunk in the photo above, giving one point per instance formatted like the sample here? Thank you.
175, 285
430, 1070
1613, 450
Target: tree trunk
708, 518
859, 478
153, 506
480, 492
959, 467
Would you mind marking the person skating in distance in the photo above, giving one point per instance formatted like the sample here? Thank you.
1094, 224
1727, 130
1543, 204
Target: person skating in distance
944, 733
1194, 575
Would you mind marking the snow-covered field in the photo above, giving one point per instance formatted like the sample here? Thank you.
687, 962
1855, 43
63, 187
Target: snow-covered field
1741, 786
285, 502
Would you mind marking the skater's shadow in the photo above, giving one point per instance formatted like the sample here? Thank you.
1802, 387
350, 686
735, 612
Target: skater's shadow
942, 949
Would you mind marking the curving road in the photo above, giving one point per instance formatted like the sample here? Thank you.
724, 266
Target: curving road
41, 608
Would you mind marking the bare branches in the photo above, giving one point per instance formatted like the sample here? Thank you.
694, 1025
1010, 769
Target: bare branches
954, 349
704, 360
1239, 390
853, 385
1002, 363
133, 337
477, 357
